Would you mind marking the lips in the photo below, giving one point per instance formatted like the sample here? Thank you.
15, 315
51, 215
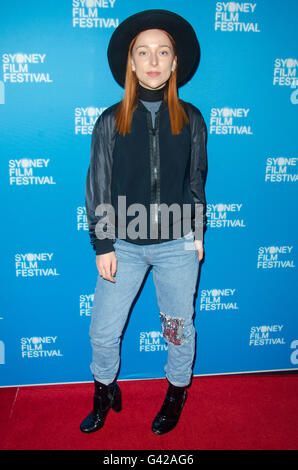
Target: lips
153, 74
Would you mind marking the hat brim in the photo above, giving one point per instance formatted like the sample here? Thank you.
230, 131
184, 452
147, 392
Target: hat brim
188, 48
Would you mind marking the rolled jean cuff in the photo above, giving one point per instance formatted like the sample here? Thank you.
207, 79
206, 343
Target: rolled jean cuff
103, 381
177, 384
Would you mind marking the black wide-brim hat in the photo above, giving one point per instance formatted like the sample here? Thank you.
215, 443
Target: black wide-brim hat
188, 48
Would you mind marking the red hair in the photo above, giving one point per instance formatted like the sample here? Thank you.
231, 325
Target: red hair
127, 106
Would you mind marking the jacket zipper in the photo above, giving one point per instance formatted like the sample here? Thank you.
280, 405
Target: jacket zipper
155, 170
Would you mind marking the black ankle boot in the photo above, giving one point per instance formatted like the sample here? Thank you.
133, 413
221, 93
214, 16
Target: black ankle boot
105, 397
168, 416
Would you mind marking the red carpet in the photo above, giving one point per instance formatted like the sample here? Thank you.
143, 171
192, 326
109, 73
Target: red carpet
238, 412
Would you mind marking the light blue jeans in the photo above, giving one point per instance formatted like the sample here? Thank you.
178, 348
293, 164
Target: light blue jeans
175, 266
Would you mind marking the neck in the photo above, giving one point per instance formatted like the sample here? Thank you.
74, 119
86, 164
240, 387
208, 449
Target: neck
150, 95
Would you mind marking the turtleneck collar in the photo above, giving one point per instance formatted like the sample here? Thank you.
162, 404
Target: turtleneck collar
150, 95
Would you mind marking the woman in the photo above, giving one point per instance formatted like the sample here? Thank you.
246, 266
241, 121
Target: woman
150, 150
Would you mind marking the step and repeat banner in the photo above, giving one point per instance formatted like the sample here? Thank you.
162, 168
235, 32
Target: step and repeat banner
54, 83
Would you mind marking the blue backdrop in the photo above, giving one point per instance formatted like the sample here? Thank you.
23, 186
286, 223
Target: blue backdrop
54, 83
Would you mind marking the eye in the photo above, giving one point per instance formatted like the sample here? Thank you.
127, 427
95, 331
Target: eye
142, 52
164, 52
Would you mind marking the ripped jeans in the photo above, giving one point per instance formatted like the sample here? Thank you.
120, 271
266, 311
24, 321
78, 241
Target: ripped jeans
175, 266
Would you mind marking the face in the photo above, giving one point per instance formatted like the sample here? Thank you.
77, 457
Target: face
153, 59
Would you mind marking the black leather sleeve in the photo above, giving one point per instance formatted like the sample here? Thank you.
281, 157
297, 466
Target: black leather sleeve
198, 170
98, 185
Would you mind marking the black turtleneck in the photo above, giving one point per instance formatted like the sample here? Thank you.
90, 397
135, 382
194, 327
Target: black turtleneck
151, 99
150, 95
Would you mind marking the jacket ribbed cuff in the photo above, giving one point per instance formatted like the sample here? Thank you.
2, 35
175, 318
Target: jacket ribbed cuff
103, 246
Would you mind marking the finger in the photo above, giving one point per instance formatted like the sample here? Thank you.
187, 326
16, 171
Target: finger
107, 274
109, 277
114, 267
102, 270
200, 254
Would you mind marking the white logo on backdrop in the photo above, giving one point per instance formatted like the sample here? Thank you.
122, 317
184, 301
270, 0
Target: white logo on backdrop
294, 354
28, 171
82, 222
218, 299
236, 16
224, 215
85, 118
24, 68
229, 121
275, 257
285, 72
39, 347
92, 14
281, 170
266, 335
152, 341
34, 265
86, 304
2, 352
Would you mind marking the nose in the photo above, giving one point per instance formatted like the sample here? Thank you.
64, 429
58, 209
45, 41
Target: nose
153, 58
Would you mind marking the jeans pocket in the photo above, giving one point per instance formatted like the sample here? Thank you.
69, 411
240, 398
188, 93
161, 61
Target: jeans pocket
188, 242
189, 236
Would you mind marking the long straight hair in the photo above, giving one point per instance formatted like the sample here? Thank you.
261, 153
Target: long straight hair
127, 106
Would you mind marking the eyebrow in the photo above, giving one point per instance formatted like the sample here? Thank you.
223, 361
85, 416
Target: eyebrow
164, 45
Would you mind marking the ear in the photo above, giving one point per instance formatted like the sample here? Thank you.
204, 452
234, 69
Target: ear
133, 66
174, 65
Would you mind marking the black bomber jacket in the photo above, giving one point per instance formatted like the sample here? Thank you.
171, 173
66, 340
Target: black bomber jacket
149, 166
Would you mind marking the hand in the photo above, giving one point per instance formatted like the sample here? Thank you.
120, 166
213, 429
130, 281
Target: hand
107, 265
199, 248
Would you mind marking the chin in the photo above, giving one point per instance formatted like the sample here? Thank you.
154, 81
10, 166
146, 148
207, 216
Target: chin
153, 84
